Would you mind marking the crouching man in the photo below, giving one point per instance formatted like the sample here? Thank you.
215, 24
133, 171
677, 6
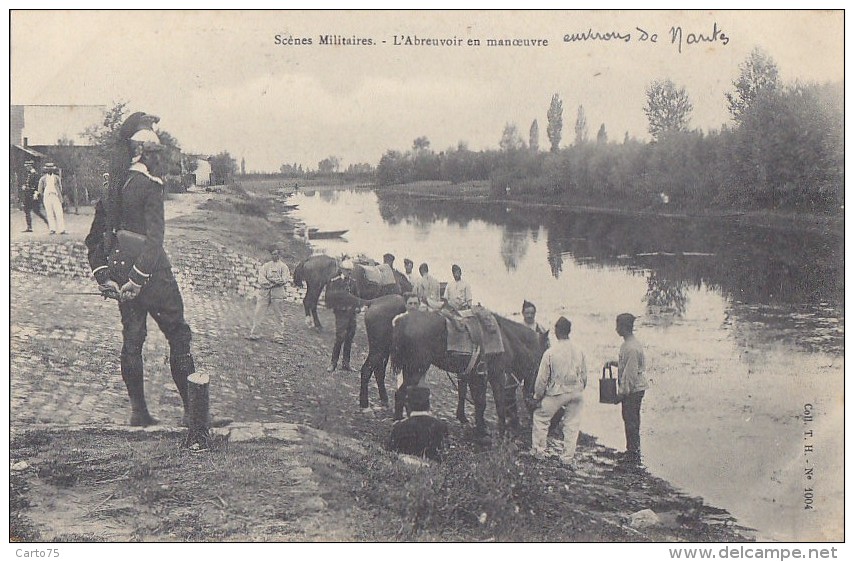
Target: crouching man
421, 434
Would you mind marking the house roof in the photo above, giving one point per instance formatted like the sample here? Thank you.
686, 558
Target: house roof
30, 151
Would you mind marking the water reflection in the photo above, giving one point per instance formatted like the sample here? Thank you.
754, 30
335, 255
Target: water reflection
514, 245
664, 296
787, 278
743, 325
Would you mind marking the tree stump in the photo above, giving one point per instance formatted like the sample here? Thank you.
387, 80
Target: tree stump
198, 407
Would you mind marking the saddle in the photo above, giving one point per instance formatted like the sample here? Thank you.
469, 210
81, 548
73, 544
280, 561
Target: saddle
473, 334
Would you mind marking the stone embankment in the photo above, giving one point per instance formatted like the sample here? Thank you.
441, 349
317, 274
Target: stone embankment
199, 265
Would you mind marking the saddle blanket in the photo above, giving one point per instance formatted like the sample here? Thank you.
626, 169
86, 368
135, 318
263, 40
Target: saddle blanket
379, 274
480, 329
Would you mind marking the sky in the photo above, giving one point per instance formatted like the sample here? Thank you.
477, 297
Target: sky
219, 80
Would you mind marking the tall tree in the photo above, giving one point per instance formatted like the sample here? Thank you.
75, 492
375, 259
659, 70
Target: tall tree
580, 127
555, 117
667, 108
328, 165
758, 73
421, 143
602, 136
223, 168
510, 139
534, 137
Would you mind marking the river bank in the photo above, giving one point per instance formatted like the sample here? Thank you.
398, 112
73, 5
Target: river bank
480, 191
760, 331
485, 492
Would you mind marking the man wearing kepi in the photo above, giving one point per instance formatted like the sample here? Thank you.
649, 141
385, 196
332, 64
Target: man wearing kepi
631, 383
127, 257
561, 380
272, 278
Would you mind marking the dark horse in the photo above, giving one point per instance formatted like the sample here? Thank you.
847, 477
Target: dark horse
316, 272
420, 340
378, 326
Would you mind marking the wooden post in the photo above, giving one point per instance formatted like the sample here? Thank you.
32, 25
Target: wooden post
198, 406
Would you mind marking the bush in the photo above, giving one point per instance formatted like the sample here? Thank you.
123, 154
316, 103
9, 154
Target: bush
470, 496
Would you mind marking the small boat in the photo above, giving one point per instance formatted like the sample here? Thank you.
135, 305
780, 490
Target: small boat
290, 207
315, 234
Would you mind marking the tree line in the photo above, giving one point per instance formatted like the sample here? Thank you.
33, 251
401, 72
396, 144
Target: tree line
783, 150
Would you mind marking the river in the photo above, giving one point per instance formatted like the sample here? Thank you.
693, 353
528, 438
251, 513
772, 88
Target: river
743, 328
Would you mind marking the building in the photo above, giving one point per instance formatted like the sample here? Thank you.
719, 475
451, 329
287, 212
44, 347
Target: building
202, 174
44, 133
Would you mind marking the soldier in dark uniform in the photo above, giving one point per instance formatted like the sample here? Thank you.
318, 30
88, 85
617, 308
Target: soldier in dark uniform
144, 282
341, 299
420, 434
123, 151
29, 197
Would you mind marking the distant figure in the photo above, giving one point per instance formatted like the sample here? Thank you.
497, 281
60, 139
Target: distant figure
30, 196
631, 383
427, 288
272, 279
411, 302
50, 192
387, 266
529, 317
561, 380
340, 298
421, 434
407, 270
458, 292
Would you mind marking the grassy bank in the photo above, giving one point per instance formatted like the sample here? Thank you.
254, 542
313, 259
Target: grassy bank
480, 190
101, 485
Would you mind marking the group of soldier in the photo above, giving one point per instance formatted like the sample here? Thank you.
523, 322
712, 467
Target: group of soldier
130, 265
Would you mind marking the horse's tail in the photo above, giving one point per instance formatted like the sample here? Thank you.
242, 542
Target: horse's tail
299, 273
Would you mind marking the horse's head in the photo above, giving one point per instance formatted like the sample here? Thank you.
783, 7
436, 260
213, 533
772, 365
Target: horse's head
525, 348
544, 341
299, 273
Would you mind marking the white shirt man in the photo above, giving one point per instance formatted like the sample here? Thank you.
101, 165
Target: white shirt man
561, 380
458, 292
427, 288
272, 278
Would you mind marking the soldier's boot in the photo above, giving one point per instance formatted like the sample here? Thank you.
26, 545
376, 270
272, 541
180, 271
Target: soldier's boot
135, 382
139, 416
479, 421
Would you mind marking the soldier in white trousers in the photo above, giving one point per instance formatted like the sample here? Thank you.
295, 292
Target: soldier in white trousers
272, 278
50, 192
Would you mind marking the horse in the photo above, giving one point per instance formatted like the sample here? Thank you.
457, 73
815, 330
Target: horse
420, 340
316, 272
378, 326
